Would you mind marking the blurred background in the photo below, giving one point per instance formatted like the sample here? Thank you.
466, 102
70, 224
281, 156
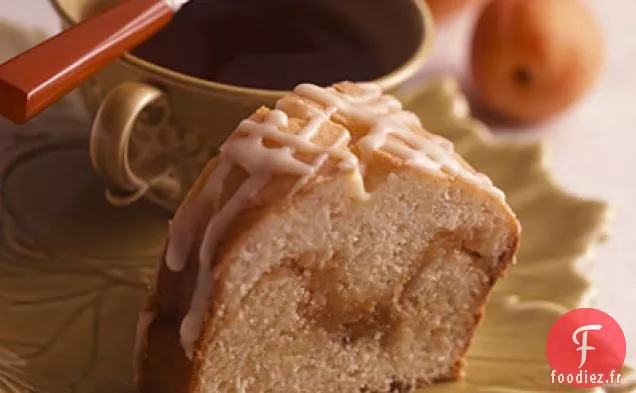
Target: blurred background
592, 140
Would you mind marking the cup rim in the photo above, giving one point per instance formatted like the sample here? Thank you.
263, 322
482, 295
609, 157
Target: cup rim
387, 82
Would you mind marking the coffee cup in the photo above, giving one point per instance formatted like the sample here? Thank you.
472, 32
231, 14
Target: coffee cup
157, 121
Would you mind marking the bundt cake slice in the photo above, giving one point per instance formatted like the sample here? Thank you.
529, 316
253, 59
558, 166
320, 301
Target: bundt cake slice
333, 245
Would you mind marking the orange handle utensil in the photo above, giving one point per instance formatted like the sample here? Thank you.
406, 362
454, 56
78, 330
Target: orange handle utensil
32, 81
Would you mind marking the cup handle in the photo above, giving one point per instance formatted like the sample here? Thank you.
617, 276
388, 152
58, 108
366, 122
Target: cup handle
110, 139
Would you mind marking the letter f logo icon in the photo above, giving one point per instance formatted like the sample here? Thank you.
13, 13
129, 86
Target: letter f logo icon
583, 344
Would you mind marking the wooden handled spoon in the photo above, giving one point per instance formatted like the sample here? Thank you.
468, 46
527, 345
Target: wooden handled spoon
37, 78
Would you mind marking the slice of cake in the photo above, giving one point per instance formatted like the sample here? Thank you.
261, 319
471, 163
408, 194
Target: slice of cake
332, 246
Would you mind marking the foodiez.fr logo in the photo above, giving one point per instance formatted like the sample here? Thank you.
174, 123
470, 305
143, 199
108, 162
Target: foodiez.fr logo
586, 348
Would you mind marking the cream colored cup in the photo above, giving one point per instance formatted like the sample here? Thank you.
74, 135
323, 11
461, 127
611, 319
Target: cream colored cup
155, 129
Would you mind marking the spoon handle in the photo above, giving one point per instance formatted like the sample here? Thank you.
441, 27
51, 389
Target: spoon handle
37, 78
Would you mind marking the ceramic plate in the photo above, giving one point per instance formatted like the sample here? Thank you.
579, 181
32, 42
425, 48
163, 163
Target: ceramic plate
73, 268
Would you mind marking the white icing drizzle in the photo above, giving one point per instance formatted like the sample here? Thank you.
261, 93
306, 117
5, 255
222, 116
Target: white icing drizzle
192, 323
386, 119
390, 129
183, 227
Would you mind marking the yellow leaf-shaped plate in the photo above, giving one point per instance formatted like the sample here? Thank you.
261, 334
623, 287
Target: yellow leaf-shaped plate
73, 268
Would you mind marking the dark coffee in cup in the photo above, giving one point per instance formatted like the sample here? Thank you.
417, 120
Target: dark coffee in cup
265, 44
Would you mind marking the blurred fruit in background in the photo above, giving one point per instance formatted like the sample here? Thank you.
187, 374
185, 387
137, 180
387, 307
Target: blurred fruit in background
443, 10
531, 59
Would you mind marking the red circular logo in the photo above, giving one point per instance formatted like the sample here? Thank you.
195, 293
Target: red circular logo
586, 348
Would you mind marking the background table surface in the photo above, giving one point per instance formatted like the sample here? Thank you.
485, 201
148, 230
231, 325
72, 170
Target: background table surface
593, 145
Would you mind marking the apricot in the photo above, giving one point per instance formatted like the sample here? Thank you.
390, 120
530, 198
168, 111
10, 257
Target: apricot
531, 59
443, 10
